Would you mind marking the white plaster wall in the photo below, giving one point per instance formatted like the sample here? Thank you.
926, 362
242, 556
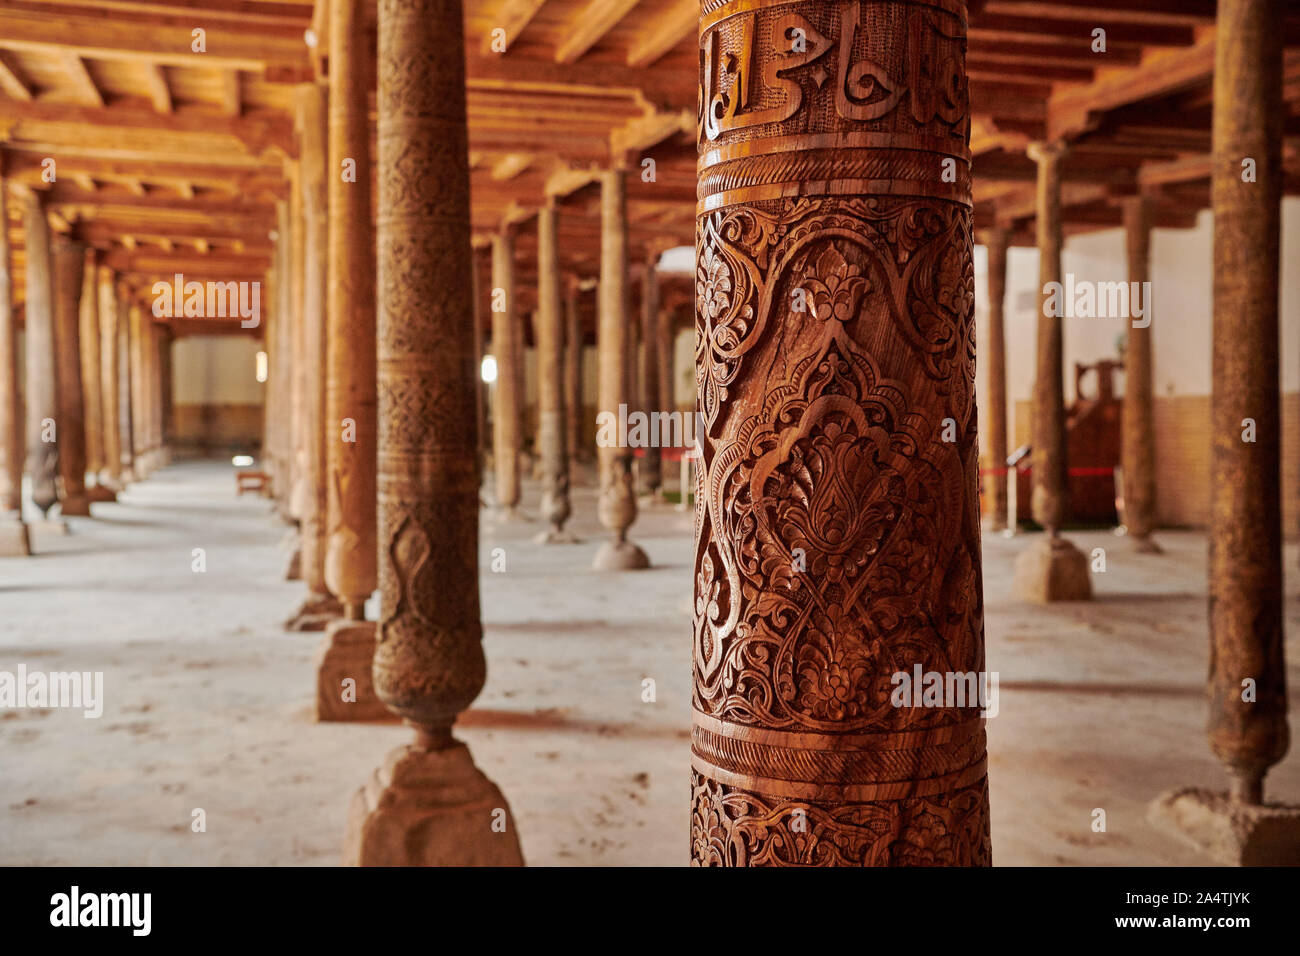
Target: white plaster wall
216, 370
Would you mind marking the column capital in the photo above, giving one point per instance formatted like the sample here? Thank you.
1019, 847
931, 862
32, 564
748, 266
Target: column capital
1047, 151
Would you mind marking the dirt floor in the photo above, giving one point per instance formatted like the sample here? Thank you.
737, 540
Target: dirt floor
208, 702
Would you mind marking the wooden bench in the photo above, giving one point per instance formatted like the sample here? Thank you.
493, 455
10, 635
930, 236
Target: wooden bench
249, 480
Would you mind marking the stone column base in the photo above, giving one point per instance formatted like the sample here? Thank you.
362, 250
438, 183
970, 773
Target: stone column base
100, 493
348, 653
508, 515
318, 611
293, 572
1147, 545
620, 556
556, 536
1052, 569
430, 808
14, 540
1236, 834
51, 526
75, 506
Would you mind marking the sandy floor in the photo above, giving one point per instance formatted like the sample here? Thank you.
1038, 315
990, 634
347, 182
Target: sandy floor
208, 701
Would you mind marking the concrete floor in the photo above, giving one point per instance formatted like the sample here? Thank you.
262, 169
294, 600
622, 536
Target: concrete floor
208, 700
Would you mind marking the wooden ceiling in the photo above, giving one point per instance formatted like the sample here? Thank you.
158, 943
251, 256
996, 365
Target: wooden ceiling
167, 159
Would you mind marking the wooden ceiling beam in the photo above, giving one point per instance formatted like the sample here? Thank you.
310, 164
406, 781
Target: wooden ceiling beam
1104, 12
668, 29
159, 92
75, 69
13, 85
513, 17
589, 26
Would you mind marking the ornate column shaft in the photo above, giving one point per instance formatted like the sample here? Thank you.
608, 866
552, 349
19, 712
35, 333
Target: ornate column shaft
91, 377
995, 424
125, 375
572, 371
111, 474
165, 389
1138, 427
506, 400
350, 565
1245, 492
139, 423
1050, 568
837, 531
617, 506
551, 443
69, 269
319, 607
42, 381
428, 804
480, 350
300, 488
283, 368
652, 404
14, 540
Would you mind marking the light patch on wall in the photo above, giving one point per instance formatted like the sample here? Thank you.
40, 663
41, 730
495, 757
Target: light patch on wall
262, 366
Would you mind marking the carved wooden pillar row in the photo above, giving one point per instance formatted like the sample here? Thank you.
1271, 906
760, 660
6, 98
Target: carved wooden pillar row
617, 506
319, 607
552, 447
995, 424
572, 371
837, 521
111, 474
300, 488
14, 540
1245, 417
1051, 568
651, 403
42, 380
139, 420
506, 400
427, 804
91, 377
1138, 427
125, 373
283, 362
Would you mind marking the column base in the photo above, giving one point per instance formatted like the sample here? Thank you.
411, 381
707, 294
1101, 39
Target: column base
77, 506
1235, 834
294, 570
430, 808
348, 653
318, 611
556, 536
1052, 569
507, 515
14, 540
1147, 545
51, 526
620, 556
100, 493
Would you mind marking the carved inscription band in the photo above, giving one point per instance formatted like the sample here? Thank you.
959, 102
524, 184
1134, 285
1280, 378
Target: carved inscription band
837, 520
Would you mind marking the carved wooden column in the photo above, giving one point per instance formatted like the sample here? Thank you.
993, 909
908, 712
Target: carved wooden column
92, 378
551, 444
1138, 428
1051, 568
69, 268
572, 372
300, 488
480, 350
165, 387
125, 373
1245, 493
42, 381
995, 425
617, 505
837, 532
110, 476
428, 804
506, 400
14, 540
319, 607
282, 363
139, 424
652, 404
351, 428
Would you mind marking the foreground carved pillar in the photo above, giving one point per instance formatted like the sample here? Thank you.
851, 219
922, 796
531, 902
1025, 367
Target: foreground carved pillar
572, 371
551, 444
617, 506
14, 540
42, 383
319, 607
1247, 682
1138, 427
69, 269
995, 425
351, 427
428, 804
110, 476
652, 404
1051, 568
506, 401
837, 531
